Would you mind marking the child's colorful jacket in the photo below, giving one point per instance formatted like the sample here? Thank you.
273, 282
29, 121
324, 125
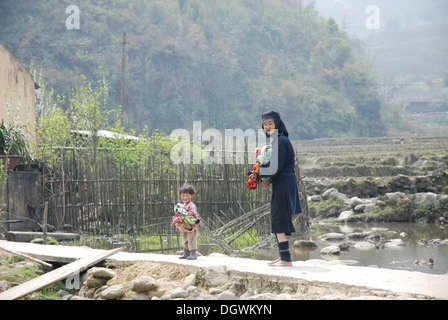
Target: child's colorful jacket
182, 220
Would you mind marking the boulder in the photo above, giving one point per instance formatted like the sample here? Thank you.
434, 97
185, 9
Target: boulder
304, 244
423, 161
369, 208
364, 245
216, 276
426, 199
79, 298
327, 182
439, 179
141, 296
193, 291
333, 193
143, 283
345, 214
331, 250
189, 281
215, 290
227, 295
401, 183
367, 188
101, 273
332, 236
395, 243
87, 292
356, 235
113, 292
355, 201
262, 296
395, 197
344, 246
373, 237
315, 198
380, 229
94, 282
380, 203
178, 294
424, 184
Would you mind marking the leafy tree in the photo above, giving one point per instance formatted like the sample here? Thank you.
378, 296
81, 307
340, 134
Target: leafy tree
221, 62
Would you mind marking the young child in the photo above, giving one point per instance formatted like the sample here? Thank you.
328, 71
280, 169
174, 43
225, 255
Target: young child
186, 220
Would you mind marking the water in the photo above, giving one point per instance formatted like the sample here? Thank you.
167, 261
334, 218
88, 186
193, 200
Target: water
402, 258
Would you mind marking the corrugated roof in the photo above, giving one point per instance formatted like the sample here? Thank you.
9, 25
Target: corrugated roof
106, 134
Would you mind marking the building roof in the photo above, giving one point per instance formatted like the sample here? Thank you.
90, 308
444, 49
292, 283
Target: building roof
106, 134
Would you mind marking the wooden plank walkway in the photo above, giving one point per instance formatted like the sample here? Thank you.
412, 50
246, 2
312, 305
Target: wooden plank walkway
61, 273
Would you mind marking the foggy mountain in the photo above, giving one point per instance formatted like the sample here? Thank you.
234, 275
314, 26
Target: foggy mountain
401, 38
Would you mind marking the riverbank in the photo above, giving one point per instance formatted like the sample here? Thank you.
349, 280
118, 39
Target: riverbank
177, 281
171, 281
218, 277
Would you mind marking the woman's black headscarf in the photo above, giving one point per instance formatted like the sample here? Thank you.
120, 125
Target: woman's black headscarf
279, 125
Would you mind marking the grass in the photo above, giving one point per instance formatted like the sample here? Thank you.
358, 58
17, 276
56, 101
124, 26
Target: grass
171, 243
140, 242
326, 209
16, 270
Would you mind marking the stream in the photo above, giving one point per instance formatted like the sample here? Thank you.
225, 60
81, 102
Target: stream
412, 256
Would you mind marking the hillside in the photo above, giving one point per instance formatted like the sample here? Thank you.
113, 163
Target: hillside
223, 63
410, 41
413, 53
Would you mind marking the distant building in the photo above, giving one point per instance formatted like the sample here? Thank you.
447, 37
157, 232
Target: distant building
17, 93
419, 101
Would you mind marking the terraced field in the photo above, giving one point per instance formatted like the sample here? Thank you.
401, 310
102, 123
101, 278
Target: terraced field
371, 157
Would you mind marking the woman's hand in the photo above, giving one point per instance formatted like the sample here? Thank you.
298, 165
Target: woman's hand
266, 185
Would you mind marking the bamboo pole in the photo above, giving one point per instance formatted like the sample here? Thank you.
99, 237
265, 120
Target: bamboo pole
44, 222
27, 257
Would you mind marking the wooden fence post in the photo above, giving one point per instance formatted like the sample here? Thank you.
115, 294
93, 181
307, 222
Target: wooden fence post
44, 222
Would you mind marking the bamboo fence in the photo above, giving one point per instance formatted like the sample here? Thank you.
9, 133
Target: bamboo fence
107, 196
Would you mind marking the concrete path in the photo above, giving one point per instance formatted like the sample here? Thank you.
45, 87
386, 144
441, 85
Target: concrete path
335, 272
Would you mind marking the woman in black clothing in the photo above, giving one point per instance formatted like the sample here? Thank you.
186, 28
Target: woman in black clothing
285, 193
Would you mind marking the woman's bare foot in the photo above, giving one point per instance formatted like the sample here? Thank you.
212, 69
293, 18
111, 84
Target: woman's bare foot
281, 263
273, 262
